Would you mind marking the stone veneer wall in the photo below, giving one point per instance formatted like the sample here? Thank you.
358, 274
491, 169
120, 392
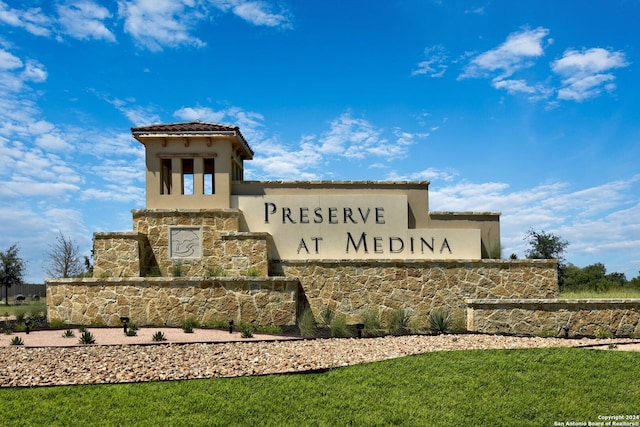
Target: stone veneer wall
155, 225
354, 287
118, 254
590, 317
159, 301
224, 249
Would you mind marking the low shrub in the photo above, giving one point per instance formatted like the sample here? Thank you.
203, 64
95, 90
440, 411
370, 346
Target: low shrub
188, 325
57, 324
177, 269
252, 272
269, 329
247, 331
159, 336
217, 324
372, 323
439, 322
17, 341
87, 338
216, 271
339, 327
602, 333
132, 330
399, 322
307, 324
68, 334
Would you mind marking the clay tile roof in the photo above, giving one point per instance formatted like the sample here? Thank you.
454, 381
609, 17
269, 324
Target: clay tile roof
192, 128
184, 127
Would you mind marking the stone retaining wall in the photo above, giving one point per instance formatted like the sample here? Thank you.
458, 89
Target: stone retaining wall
353, 288
590, 317
169, 301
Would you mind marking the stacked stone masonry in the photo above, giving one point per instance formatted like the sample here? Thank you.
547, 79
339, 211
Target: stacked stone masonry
575, 318
353, 288
169, 301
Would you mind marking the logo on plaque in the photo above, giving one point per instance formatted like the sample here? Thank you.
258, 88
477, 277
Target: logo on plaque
185, 242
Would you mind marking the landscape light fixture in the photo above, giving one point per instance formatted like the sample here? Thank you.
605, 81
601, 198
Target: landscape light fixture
125, 322
230, 326
359, 327
27, 322
566, 331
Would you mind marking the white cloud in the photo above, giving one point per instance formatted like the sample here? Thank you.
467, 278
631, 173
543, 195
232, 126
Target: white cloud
586, 73
51, 142
203, 114
9, 61
255, 12
155, 24
32, 20
516, 53
595, 220
84, 20
434, 64
429, 174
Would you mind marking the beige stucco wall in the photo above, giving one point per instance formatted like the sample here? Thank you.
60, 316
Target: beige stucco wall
169, 301
593, 317
354, 287
220, 149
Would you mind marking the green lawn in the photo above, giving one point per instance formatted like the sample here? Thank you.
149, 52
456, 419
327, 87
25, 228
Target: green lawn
613, 293
27, 307
535, 387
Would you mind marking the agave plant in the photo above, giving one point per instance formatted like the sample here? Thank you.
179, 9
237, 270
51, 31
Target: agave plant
87, 338
159, 336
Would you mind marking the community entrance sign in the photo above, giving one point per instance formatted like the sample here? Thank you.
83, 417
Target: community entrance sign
350, 227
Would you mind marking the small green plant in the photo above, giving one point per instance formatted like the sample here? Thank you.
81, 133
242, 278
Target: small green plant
602, 333
307, 324
216, 271
177, 269
439, 322
132, 330
159, 336
547, 333
189, 324
613, 346
17, 341
326, 316
372, 323
87, 338
82, 329
20, 314
252, 272
399, 322
217, 324
339, 327
269, 329
247, 331
104, 275
154, 271
57, 324
68, 334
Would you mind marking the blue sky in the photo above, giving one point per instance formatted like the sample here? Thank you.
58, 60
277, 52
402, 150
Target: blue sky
527, 108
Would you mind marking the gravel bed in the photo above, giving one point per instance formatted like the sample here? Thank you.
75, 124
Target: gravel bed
118, 363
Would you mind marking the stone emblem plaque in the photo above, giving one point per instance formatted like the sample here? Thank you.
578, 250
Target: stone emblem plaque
185, 242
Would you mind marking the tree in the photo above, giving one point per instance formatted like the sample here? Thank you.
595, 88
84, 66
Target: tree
545, 245
11, 270
64, 259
